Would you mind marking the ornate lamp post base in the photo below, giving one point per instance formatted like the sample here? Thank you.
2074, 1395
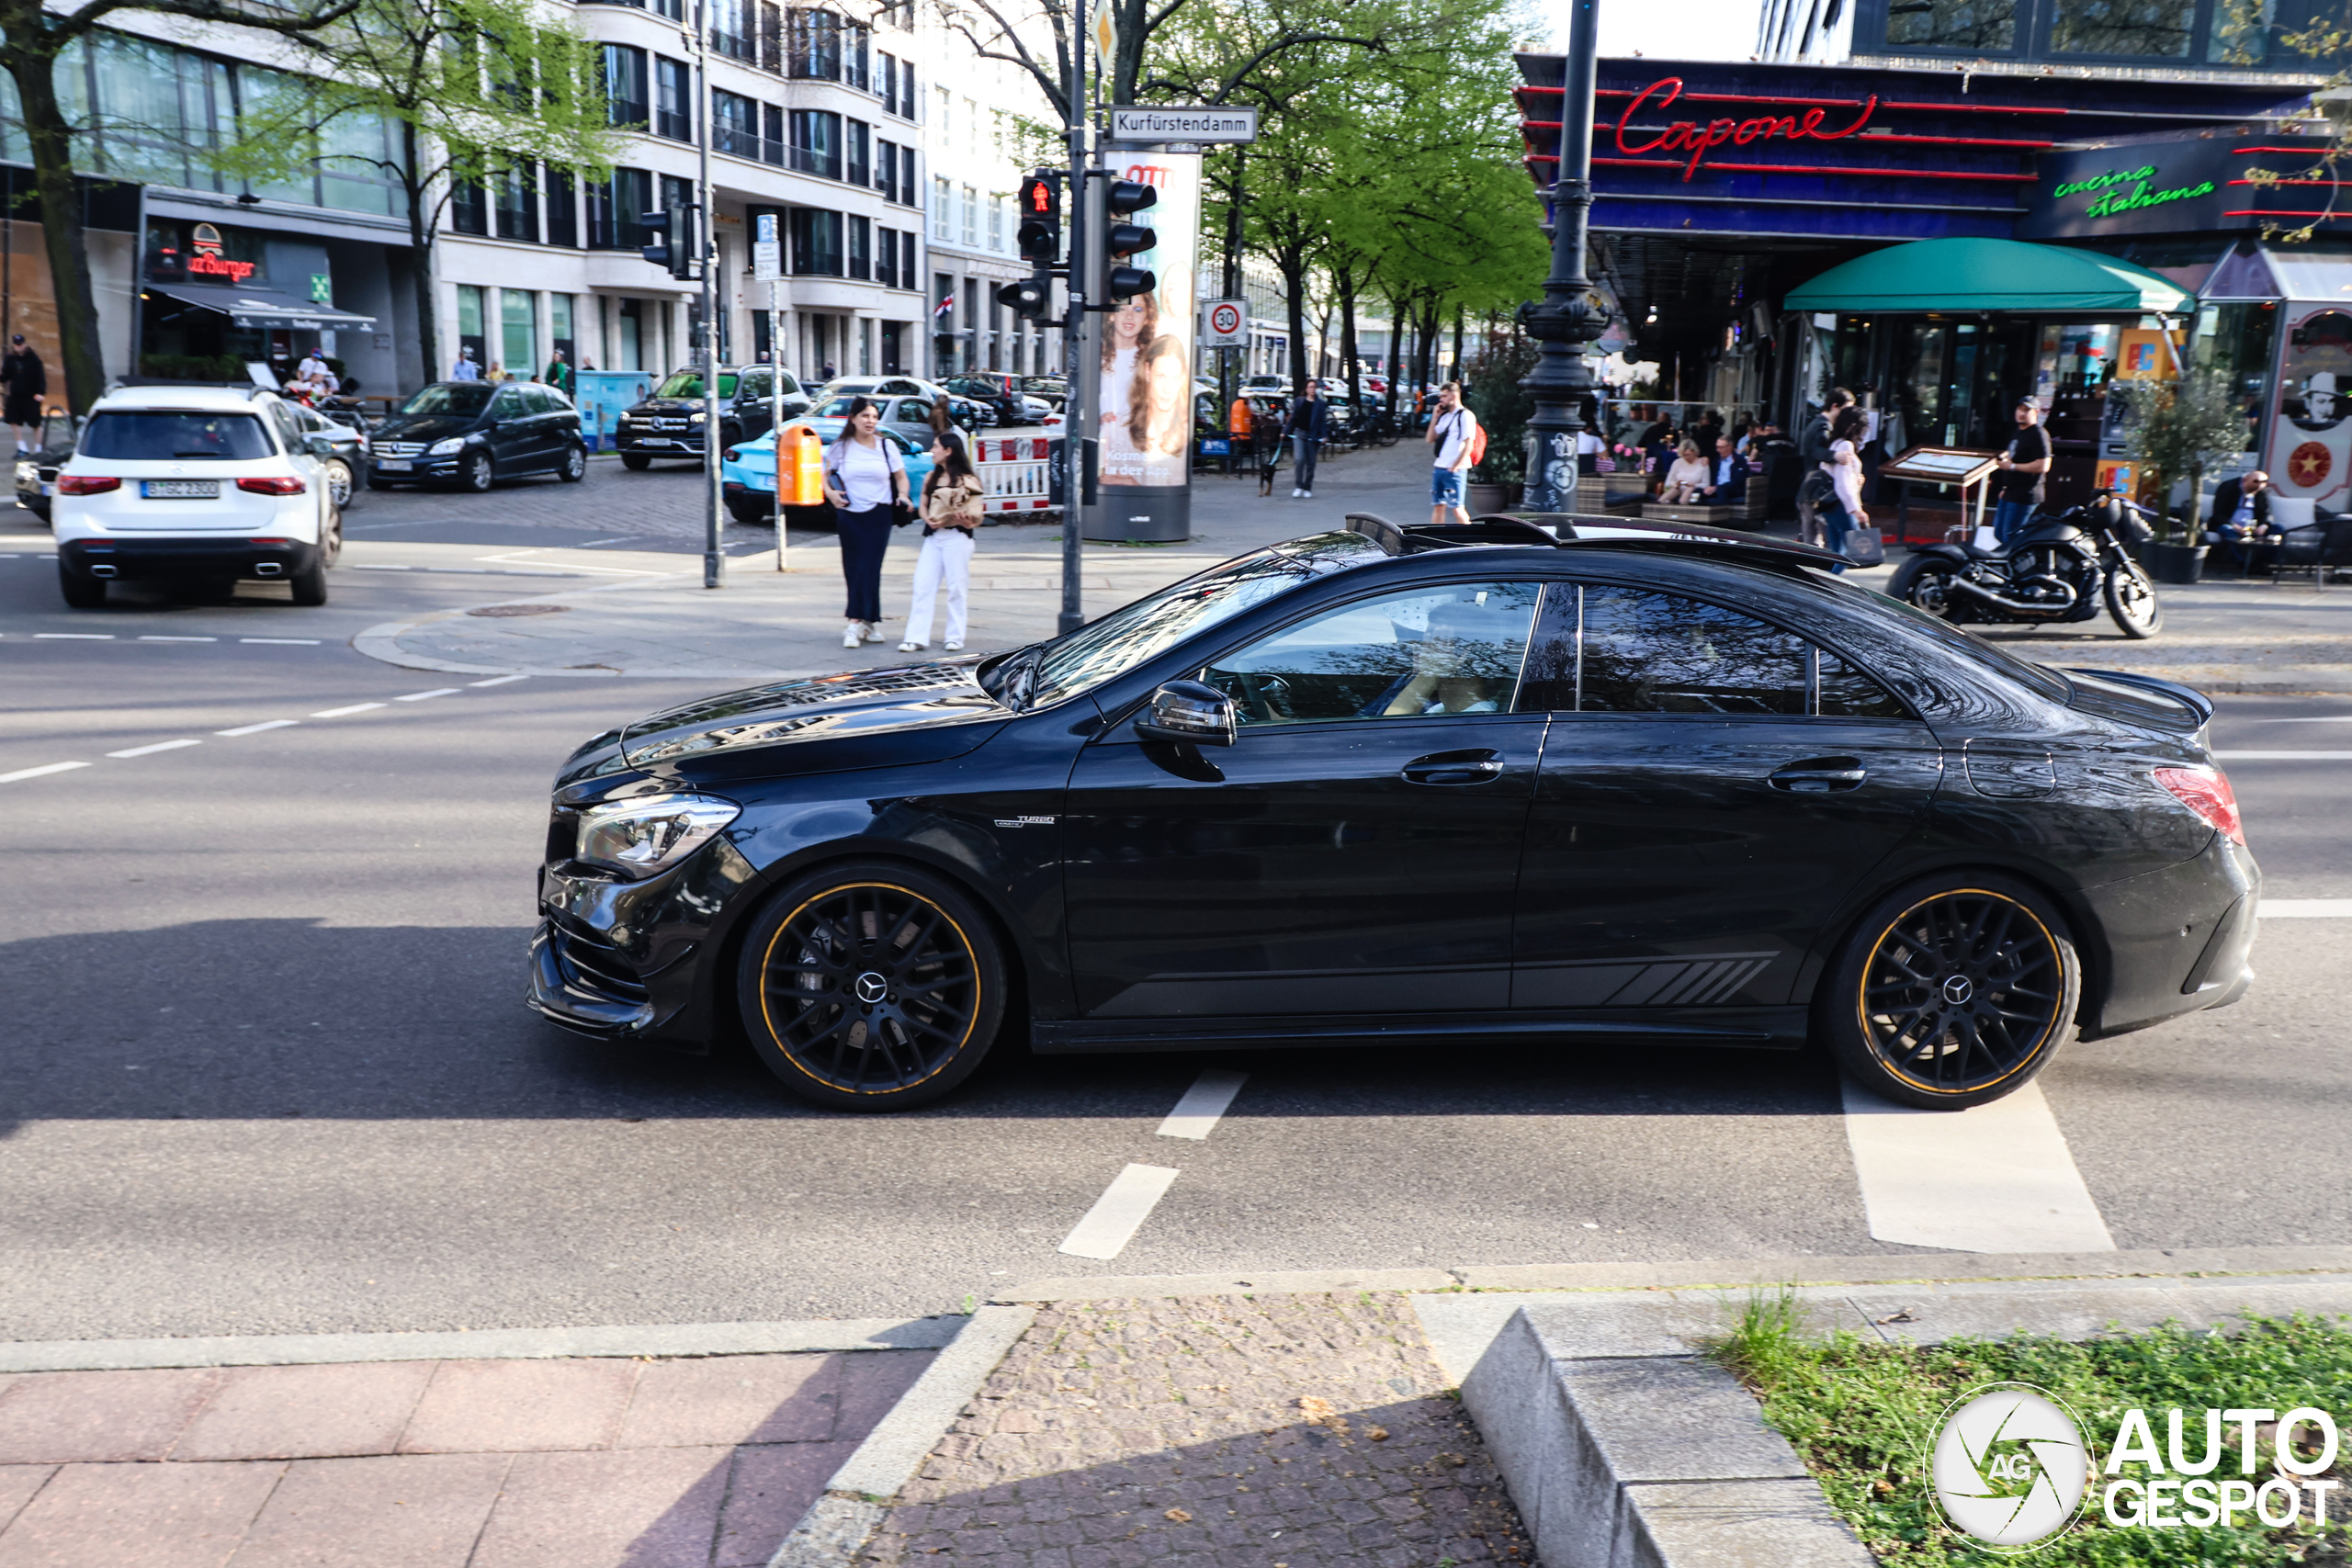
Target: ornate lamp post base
1566, 320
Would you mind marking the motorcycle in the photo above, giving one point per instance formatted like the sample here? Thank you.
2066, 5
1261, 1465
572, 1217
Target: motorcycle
2061, 566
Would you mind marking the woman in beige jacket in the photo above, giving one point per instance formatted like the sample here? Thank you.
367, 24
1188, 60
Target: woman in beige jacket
951, 519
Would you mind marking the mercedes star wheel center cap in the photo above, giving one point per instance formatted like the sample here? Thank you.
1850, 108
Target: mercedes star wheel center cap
1957, 990
872, 987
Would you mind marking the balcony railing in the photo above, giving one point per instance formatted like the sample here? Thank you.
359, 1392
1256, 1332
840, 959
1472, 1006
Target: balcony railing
810, 161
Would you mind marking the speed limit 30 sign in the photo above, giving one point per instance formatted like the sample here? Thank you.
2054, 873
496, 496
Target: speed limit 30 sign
1226, 324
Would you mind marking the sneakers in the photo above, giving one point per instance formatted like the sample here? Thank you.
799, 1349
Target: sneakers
1295, 492
1307, 495
855, 634
952, 646
912, 647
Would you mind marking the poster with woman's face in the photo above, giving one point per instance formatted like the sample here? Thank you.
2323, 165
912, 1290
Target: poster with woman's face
2311, 441
1146, 388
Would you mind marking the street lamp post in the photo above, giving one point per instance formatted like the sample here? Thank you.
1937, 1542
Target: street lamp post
1566, 320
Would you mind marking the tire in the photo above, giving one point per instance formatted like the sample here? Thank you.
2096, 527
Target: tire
310, 587
1924, 583
636, 462
889, 927
1951, 992
2132, 602
751, 514
572, 467
476, 472
341, 486
80, 590
331, 538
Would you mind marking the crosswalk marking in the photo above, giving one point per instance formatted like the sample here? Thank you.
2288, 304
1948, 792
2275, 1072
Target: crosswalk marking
1196, 1114
1121, 1210
1997, 1177
2304, 909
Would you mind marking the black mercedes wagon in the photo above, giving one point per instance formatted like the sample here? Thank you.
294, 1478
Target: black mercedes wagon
1544, 778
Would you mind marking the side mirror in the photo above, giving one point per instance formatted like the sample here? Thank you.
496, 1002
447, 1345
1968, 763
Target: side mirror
1188, 711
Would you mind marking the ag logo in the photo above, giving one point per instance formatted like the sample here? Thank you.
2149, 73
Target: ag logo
2008, 1465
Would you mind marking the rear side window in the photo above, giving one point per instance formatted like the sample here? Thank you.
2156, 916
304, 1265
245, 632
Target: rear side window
175, 435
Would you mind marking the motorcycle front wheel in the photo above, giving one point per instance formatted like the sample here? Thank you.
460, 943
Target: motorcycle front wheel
2132, 602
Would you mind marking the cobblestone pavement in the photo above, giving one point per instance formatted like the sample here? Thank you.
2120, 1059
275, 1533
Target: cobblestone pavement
1214, 1432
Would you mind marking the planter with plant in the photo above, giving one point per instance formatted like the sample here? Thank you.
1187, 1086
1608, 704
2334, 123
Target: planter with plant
2177, 430
1491, 386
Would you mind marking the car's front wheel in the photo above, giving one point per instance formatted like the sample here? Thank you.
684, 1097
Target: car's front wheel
476, 472
1951, 992
336, 473
573, 465
871, 986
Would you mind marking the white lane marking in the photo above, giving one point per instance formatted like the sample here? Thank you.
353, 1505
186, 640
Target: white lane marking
152, 639
420, 697
1997, 1177
36, 773
73, 636
257, 728
158, 746
2304, 910
374, 566
1196, 1114
283, 641
1119, 1212
498, 680
2284, 756
2319, 718
338, 713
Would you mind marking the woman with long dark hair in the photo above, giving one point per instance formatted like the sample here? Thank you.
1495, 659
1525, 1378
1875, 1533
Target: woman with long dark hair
951, 522
1843, 513
865, 480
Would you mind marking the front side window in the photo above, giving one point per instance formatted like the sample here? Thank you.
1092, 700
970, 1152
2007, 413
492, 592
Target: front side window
1426, 653
147, 436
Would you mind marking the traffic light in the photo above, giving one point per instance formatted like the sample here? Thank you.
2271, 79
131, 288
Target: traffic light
1031, 299
1041, 216
1122, 239
670, 240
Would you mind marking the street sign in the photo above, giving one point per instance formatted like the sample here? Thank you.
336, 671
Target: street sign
767, 249
1104, 26
1130, 122
1225, 325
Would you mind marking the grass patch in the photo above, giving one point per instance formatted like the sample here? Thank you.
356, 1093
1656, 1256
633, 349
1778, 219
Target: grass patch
1859, 1412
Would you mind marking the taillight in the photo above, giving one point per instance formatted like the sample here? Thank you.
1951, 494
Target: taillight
2206, 791
733, 454
86, 484
287, 485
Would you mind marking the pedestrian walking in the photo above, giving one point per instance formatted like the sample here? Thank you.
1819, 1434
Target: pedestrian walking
1842, 514
26, 383
1309, 426
465, 369
1453, 431
1814, 490
952, 514
866, 481
2016, 489
559, 374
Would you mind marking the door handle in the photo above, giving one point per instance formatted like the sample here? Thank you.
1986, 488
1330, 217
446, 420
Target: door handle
1454, 768
1820, 776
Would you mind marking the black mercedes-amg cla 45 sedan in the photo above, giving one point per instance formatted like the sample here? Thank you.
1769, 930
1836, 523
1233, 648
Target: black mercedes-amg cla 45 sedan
1541, 778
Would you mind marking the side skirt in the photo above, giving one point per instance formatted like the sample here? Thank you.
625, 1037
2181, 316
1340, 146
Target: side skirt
1763, 1029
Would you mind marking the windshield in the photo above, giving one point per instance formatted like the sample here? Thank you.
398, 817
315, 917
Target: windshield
2037, 678
688, 384
1127, 636
466, 398
220, 438
837, 409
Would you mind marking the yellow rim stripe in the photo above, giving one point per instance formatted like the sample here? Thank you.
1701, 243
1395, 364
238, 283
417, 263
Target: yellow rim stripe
1861, 999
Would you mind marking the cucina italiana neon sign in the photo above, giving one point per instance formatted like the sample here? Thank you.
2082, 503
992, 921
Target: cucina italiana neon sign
1690, 136
2112, 198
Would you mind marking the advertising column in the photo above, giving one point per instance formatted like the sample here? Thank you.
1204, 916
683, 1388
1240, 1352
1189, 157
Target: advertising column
1146, 363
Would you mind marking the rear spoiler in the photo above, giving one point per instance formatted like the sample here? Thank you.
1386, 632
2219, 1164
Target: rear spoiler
2190, 697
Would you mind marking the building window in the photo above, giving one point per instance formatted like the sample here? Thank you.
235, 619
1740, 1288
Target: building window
945, 117
885, 169
886, 257
906, 273
996, 222
469, 314
942, 207
816, 45
674, 10
906, 89
886, 82
2146, 28
860, 246
518, 338
625, 86
971, 219
469, 209
854, 39
734, 125
560, 328
772, 137
517, 192
1990, 26
614, 209
817, 142
674, 91
732, 23
861, 160
563, 210
816, 241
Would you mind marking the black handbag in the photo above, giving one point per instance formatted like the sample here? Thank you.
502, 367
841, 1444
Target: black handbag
902, 513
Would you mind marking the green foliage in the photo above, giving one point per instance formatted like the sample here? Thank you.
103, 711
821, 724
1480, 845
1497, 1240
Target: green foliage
2180, 428
1860, 1412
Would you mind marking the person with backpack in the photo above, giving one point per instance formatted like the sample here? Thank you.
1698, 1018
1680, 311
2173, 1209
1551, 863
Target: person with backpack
1460, 441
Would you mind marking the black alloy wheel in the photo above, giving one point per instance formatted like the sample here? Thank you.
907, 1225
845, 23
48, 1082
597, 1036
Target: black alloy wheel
636, 462
476, 472
2132, 602
871, 986
573, 465
1951, 992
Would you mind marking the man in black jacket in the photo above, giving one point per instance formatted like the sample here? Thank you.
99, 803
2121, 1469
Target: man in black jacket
2241, 515
1813, 446
1727, 472
1308, 424
26, 383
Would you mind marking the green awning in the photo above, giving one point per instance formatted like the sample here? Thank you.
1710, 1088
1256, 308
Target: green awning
1988, 274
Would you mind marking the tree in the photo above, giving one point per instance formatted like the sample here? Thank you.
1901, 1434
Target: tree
481, 91
32, 37
2181, 427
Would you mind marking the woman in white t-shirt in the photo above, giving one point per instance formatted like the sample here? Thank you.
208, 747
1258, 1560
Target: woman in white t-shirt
1845, 471
866, 481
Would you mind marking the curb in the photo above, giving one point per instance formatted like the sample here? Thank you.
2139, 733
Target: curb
838, 1523
484, 1344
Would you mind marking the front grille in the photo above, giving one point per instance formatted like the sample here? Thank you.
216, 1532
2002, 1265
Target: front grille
399, 449
595, 966
665, 425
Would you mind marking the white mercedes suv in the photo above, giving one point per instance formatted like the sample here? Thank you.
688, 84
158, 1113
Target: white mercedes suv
191, 483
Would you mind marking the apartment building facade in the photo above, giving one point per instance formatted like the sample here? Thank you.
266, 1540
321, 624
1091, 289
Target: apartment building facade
975, 124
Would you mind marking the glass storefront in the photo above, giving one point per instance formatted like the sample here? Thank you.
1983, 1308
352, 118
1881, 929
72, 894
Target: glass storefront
518, 320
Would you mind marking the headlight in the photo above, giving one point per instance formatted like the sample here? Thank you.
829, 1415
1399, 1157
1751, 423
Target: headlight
694, 419
639, 837
446, 448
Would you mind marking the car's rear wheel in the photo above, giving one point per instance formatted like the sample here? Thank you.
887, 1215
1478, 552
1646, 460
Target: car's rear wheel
636, 462
752, 514
1951, 992
81, 590
339, 483
476, 472
871, 986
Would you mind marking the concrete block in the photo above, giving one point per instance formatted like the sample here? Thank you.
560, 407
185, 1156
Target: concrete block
98, 1417
1460, 1327
1928, 1314
733, 1399
306, 1412
518, 1406
1659, 1419
1734, 1524
158, 1515
648, 1508
418, 1511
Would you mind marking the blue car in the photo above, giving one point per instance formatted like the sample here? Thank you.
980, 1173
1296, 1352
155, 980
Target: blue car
747, 471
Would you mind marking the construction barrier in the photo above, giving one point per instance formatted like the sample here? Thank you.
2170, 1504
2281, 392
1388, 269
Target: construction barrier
1013, 471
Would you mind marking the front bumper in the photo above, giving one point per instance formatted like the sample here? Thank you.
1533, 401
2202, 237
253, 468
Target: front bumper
125, 558
632, 960
661, 443
417, 469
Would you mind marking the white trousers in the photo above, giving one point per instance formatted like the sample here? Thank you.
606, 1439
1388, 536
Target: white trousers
945, 561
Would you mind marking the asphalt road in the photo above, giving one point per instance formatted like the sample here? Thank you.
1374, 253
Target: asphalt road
265, 1066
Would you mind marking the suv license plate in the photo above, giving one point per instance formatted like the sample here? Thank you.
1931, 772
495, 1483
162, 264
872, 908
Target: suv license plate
180, 490
394, 465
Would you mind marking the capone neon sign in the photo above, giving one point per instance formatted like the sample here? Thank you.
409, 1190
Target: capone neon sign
1696, 138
